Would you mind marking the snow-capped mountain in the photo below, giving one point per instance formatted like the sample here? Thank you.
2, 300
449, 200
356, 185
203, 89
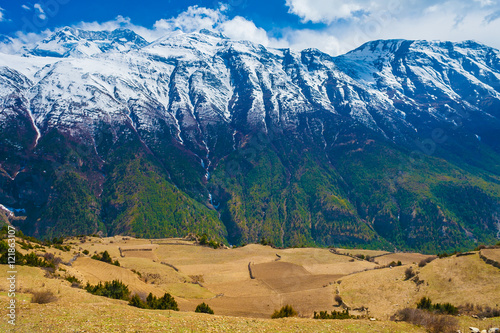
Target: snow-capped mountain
71, 42
200, 98
192, 80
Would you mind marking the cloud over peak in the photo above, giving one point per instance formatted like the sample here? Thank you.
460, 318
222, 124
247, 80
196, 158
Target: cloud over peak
333, 26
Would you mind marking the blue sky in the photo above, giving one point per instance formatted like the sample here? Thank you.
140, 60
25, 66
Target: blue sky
334, 26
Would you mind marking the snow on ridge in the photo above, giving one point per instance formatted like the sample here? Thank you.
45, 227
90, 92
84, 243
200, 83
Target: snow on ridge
210, 72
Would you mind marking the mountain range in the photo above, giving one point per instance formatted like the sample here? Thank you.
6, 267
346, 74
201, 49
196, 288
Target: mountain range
393, 145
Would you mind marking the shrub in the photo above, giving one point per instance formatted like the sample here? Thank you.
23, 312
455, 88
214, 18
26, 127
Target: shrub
213, 244
394, 264
64, 248
204, 308
166, 302
105, 257
333, 315
43, 297
137, 302
73, 279
203, 239
425, 261
425, 304
432, 322
31, 259
446, 308
25, 246
285, 311
409, 273
489, 312
338, 299
52, 260
86, 252
114, 289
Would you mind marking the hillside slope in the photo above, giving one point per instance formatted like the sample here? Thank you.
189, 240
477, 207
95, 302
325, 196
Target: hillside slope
392, 145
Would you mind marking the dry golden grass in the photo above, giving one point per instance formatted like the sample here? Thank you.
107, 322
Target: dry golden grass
101, 315
458, 280
405, 258
493, 254
354, 252
283, 277
308, 279
461, 280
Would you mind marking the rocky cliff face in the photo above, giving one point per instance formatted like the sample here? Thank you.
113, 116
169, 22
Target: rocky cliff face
394, 144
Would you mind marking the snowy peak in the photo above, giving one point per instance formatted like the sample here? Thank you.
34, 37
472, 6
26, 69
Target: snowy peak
192, 81
71, 42
383, 51
213, 34
423, 69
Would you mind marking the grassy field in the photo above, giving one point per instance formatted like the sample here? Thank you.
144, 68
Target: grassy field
405, 258
308, 279
493, 254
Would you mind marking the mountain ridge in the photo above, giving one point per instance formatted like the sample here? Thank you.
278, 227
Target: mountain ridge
233, 125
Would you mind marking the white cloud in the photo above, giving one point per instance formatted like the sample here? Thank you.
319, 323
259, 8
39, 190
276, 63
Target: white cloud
355, 22
240, 28
328, 11
41, 12
25, 7
23, 40
426, 19
1, 14
193, 19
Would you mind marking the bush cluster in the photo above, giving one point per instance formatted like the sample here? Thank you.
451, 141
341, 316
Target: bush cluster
43, 297
203, 240
64, 248
285, 311
479, 310
166, 302
114, 289
394, 264
105, 257
29, 259
74, 281
204, 308
364, 257
434, 323
333, 315
446, 308
409, 273
424, 262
